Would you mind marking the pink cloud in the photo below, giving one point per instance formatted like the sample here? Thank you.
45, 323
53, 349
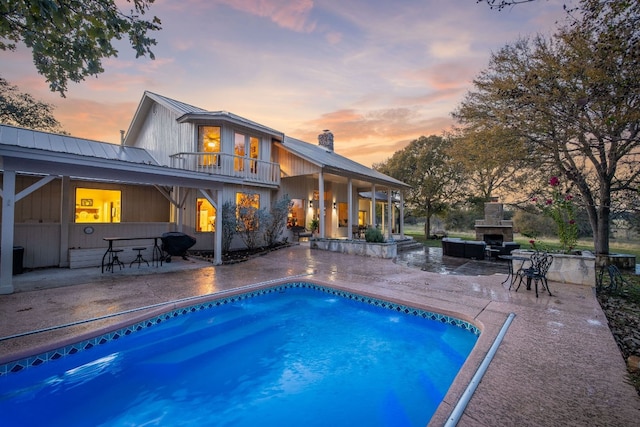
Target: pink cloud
289, 14
371, 137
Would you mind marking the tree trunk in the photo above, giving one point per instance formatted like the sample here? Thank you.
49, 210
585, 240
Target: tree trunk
601, 233
427, 223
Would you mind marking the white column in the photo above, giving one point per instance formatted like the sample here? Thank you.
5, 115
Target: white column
321, 203
372, 219
389, 214
8, 223
401, 214
349, 208
217, 245
65, 215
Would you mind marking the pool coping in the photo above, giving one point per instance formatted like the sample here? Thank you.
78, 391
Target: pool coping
15, 363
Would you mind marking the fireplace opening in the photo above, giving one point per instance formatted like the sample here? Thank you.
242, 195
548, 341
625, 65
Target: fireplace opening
493, 239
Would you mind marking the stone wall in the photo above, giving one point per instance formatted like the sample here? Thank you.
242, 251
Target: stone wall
356, 247
576, 269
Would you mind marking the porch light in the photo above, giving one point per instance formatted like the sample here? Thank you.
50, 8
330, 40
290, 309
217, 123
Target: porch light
334, 206
310, 204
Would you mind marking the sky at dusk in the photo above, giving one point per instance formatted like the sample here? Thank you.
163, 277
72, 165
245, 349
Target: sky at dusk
378, 74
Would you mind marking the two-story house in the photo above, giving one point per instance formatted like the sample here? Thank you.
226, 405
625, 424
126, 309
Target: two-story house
176, 166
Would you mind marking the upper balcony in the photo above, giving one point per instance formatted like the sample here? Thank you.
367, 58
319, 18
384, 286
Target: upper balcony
254, 171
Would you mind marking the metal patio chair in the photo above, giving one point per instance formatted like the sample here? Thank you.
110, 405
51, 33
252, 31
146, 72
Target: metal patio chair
537, 272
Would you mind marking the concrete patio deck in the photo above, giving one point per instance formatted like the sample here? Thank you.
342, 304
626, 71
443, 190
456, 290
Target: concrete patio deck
558, 364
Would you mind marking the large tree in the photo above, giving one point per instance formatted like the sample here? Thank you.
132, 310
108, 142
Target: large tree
575, 99
70, 38
21, 109
492, 159
425, 165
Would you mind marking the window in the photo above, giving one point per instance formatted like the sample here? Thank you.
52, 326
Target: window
247, 208
362, 217
246, 146
93, 205
239, 151
254, 144
209, 142
246, 200
205, 216
296, 216
343, 215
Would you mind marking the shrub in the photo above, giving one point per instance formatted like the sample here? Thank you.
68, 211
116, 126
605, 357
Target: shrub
276, 220
373, 235
229, 225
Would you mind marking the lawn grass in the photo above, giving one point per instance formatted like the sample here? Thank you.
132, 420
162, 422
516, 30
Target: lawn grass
621, 246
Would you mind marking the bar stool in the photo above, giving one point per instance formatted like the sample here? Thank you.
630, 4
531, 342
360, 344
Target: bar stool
114, 260
139, 258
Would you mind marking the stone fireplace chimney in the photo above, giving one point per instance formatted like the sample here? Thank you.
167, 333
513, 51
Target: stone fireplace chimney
493, 229
325, 139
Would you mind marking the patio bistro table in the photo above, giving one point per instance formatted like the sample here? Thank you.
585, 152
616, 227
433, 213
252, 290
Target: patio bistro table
511, 275
156, 257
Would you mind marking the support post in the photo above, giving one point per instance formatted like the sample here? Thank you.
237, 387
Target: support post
8, 224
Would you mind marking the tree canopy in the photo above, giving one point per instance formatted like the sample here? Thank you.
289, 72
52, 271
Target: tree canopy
574, 99
21, 109
492, 159
426, 166
70, 38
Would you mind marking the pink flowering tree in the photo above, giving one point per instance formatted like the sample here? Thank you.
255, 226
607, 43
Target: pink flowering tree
561, 208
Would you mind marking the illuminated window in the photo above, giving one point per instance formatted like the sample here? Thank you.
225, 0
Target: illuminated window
209, 142
248, 204
362, 217
343, 215
93, 205
239, 150
254, 144
205, 216
241, 143
296, 215
245, 200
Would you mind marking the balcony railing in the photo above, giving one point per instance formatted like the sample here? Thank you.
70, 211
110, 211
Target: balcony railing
253, 170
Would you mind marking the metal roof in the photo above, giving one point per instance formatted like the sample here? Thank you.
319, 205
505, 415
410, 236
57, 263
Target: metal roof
186, 113
37, 140
30, 151
180, 108
334, 162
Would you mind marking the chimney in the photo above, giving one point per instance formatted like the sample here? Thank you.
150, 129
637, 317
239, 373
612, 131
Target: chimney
325, 139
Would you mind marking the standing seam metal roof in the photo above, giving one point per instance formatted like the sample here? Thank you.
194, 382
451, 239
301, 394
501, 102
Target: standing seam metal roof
38, 140
187, 110
325, 158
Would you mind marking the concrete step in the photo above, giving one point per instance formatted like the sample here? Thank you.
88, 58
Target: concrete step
408, 244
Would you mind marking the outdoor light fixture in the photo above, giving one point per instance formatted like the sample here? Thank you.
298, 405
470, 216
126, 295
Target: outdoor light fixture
334, 205
310, 204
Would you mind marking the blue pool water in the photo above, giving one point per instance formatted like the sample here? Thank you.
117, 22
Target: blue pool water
296, 355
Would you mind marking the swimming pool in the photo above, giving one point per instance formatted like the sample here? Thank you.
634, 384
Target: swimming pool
293, 354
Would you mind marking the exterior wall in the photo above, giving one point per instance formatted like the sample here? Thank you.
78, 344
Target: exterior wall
38, 226
204, 240
161, 135
139, 203
41, 206
41, 243
293, 166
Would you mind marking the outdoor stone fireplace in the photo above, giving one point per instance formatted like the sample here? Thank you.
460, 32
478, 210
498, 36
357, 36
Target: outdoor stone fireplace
493, 229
